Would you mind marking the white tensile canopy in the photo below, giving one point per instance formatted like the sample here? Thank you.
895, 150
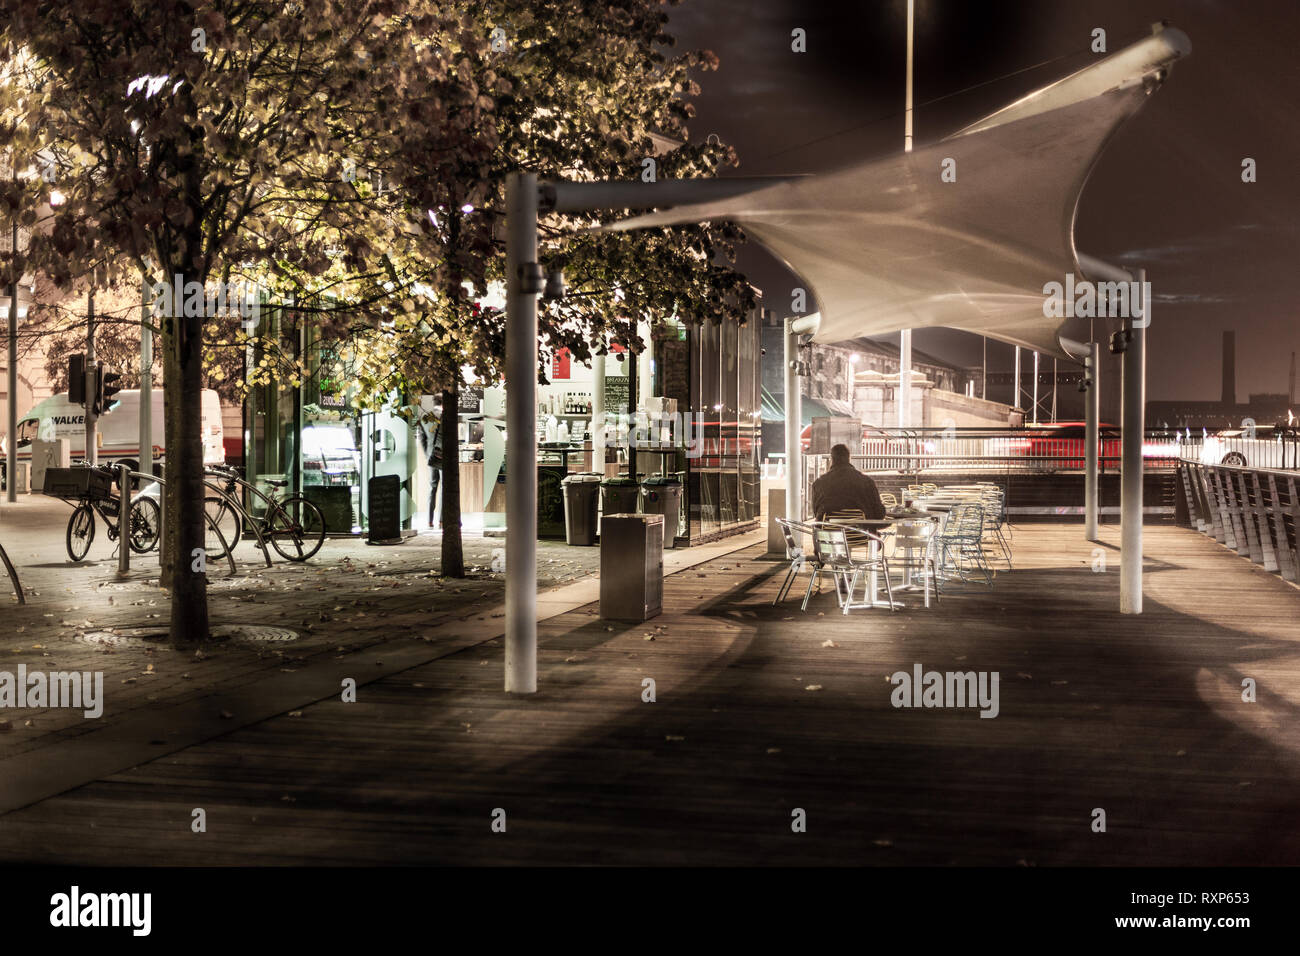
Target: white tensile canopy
884, 245
887, 244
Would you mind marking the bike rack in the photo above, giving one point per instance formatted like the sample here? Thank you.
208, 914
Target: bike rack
13, 575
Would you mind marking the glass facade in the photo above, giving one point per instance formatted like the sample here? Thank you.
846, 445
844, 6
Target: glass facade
712, 370
310, 437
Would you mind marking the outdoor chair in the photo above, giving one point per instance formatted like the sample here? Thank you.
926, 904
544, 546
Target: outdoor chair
794, 533
960, 543
915, 554
995, 519
888, 500
850, 515
835, 556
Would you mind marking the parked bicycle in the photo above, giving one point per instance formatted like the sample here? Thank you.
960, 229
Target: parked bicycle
91, 487
294, 526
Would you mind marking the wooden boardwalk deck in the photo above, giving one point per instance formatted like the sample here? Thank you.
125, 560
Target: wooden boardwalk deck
1141, 716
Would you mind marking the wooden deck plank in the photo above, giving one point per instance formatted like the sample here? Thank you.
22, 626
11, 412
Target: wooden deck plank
1140, 716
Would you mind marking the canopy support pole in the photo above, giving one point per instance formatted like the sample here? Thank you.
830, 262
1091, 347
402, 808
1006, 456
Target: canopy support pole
522, 273
1015, 402
1092, 416
793, 417
1035, 391
1133, 427
598, 414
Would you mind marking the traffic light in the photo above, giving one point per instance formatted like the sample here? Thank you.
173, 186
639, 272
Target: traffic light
77, 379
105, 388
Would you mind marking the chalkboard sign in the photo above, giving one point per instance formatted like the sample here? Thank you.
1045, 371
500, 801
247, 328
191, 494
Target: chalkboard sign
615, 393
470, 399
385, 514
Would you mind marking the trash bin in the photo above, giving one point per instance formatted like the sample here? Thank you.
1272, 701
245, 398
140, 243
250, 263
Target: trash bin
631, 567
580, 508
662, 495
618, 496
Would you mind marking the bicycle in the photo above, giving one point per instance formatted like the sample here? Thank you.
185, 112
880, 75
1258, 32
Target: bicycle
294, 526
145, 518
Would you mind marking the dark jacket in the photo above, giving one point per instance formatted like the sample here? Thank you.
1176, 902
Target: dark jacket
431, 441
842, 488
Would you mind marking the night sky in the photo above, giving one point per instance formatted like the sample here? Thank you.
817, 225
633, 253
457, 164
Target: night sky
1167, 194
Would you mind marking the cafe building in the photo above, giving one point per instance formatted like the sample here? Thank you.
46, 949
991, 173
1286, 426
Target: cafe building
682, 416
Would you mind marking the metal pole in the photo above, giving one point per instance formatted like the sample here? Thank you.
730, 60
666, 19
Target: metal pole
598, 415
905, 337
146, 387
907, 110
1133, 425
1035, 392
92, 374
1054, 382
1092, 417
905, 378
1015, 402
521, 434
123, 519
11, 457
984, 370
793, 417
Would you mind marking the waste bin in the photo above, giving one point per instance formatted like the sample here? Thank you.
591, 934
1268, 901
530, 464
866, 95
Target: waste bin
580, 508
662, 495
618, 496
631, 567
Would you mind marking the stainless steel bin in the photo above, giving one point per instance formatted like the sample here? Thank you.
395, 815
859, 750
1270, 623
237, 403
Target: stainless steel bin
631, 567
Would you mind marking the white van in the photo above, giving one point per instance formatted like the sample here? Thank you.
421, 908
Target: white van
118, 430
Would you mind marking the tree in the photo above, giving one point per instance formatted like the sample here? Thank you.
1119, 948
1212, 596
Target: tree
574, 89
190, 138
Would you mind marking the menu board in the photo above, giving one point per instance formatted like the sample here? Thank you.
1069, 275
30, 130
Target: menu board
615, 393
385, 512
470, 399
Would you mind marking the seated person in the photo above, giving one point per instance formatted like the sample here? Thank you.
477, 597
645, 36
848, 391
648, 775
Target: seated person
843, 487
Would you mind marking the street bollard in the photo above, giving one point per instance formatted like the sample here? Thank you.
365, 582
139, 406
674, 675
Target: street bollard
123, 519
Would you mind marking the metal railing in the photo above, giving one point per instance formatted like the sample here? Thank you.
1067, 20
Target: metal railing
1280, 451
1254, 511
950, 452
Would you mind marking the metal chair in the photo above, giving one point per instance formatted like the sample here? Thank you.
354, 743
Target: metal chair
960, 539
835, 554
995, 519
915, 553
793, 532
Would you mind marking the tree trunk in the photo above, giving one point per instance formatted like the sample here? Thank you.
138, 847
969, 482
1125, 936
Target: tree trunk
453, 555
184, 571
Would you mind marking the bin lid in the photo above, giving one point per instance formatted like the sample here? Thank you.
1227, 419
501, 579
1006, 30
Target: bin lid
581, 477
658, 480
621, 481
643, 519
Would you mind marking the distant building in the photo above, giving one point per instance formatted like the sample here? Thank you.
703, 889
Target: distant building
1264, 408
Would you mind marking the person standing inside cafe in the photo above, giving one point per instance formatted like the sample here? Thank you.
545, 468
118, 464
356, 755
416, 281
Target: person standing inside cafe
431, 441
844, 488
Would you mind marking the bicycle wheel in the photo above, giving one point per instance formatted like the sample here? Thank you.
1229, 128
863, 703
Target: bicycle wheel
226, 520
81, 531
146, 524
296, 528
